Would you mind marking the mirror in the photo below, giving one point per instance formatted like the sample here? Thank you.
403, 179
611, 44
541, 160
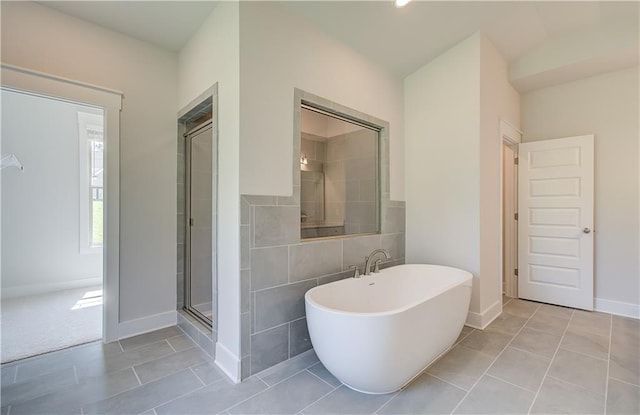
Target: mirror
339, 175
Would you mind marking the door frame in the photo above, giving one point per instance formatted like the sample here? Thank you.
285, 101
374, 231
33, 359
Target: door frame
36, 83
509, 136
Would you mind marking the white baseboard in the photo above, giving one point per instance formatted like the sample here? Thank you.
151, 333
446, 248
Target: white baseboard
483, 319
617, 308
146, 324
228, 363
37, 289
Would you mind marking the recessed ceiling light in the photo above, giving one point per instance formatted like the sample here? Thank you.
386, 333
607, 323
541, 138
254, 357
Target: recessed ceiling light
402, 3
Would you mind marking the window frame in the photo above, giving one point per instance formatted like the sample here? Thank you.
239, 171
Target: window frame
87, 122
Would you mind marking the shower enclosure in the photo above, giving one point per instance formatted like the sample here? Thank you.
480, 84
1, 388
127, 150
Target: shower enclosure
200, 205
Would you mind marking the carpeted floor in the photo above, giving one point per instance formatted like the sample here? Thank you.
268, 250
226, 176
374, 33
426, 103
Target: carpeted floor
43, 323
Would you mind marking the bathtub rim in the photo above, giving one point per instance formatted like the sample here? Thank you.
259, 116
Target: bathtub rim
467, 281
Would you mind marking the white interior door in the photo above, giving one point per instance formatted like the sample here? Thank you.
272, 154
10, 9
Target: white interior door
555, 227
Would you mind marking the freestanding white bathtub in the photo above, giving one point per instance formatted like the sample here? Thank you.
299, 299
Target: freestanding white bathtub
377, 332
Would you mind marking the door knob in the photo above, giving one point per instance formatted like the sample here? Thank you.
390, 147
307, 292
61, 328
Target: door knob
586, 230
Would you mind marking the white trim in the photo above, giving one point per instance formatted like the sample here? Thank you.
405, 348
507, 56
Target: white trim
228, 362
509, 130
31, 72
482, 320
146, 324
617, 307
37, 289
41, 84
511, 136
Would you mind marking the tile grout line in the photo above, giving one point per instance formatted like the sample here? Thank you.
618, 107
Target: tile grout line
553, 358
625, 382
301, 411
313, 374
255, 394
196, 375
136, 375
495, 359
75, 375
606, 380
510, 383
181, 396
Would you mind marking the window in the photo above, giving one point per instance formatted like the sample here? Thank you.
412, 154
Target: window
91, 169
339, 174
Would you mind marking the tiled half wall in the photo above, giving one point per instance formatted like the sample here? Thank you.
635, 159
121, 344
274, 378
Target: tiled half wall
277, 268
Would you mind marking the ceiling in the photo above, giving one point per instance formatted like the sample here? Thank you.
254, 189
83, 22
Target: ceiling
168, 24
402, 40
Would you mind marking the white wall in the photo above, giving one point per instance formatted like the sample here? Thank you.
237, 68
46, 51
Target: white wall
213, 56
498, 100
39, 38
453, 106
280, 51
41, 205
607, 106
442, 161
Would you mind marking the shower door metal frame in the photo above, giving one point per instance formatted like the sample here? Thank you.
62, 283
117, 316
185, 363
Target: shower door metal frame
189, 222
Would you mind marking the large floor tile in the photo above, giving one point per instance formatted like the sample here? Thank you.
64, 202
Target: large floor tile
287, 397
581, 370
425, 395
555, 310
70, 399
591, 321
466, 330
208, 372
347, 401
558, 397
521, 368
625, 359
147, 396
149, 338
461, 366
630, 326
320, 371
8, 374
214, 398
520, 308
537, 342
493, 396
622, 398
166, 365
181, 342
487, 341
288, 368
38, 386
591, 344
137, 356
548, 323
507, 323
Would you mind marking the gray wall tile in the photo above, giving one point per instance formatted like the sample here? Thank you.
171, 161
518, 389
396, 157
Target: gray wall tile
269, 267
314, 259
276, 225
280, 305
245, 211
245, 328
356, 249
299, 340
245, 247
394, 243
245, 290
394, 220
269, 348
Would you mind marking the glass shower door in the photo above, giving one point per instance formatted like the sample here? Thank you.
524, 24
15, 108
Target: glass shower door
200, 267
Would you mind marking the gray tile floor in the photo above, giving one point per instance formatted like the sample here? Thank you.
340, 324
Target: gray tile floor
534, 358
